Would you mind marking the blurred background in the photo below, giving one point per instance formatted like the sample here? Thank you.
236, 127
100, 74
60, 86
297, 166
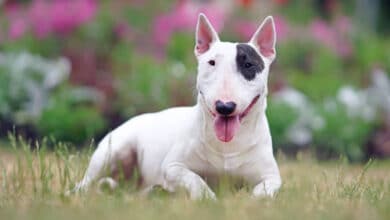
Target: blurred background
72, 70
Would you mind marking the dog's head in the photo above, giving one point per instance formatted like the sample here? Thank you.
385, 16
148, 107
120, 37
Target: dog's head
232, 77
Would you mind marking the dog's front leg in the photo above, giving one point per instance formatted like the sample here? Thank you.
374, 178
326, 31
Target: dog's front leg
267, 187
177, 175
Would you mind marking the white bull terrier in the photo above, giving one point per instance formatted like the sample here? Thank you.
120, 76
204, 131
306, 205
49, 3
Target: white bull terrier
226, 132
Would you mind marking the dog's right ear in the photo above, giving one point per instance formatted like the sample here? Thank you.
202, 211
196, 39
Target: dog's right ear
264, 38
205, 35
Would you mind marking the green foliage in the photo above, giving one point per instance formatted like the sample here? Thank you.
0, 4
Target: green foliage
299, 11
47, 47
289, 56
144, 87
137, 17
26, 82
68, 123
10, 99
98, 34
280, 117
150, 86
342, 134
121, 56
315, 86
371, 51
147, 85
339, 133
181, 48
141, 17
69, 119
323, 76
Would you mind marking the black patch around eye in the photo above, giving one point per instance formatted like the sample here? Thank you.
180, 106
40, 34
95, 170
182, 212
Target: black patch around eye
248, 65
212, 62
248, 61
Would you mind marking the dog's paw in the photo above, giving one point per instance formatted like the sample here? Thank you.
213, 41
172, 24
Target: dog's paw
68, 193
203, 192
107, 184
78, 189
264, 190
210, 195
73, 191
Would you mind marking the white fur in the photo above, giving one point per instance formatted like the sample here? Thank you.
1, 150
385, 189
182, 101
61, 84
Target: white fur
177, 146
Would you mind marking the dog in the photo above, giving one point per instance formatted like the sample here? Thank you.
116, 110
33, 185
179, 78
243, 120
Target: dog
225, 132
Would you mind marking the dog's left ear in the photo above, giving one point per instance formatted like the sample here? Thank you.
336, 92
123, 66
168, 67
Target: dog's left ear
264, 38
205, 35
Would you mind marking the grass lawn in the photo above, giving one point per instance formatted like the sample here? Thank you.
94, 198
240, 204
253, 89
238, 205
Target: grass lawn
32, 185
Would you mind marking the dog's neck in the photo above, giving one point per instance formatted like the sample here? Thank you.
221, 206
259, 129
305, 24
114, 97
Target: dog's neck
244, 139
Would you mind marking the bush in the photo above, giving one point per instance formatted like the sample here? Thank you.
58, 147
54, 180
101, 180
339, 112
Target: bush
69, 123
369, 55
150, 86
34, 94
26, 81
71, 116
342, 134
322, 79
280, 117
181, 48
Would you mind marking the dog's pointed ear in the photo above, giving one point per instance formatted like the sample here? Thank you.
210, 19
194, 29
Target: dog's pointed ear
264, 38
205, 35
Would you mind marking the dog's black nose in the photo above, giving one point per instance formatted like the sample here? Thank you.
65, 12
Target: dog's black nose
225, 108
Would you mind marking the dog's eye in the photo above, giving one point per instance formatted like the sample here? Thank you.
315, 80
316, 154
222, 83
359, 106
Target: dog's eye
212, 62
248, 65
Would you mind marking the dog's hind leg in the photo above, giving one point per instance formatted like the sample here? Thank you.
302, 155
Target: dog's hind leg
115, 155
107, 182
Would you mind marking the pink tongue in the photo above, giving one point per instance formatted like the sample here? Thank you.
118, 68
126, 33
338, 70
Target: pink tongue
226, 127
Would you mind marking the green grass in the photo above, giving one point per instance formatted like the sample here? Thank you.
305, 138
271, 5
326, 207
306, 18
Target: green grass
33, 182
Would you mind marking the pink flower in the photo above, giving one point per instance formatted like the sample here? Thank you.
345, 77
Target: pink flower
183, 18
163, 29
323, 32
65, 16
246, 29
38, 15
87, 10
122, 30
47, 17
343, 26
17, 25
11, 10
17, 28
336, 38
216, 15
282, 28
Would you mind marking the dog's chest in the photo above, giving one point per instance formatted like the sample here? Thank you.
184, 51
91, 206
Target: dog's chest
231, 164
224, 164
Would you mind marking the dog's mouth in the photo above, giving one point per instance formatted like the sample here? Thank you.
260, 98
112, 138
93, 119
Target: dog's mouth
225, 127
